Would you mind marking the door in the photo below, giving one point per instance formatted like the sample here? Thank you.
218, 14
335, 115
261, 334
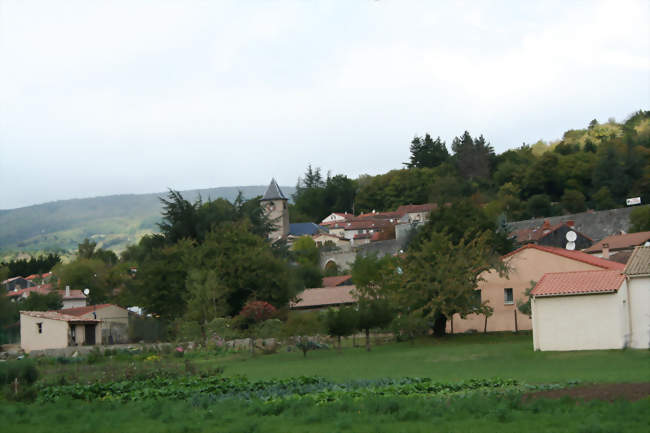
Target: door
90, 335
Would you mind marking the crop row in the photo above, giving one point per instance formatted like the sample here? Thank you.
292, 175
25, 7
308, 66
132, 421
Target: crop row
317, 388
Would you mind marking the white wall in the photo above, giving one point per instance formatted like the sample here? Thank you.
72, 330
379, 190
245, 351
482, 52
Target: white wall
581, 322
54, 333
639, 307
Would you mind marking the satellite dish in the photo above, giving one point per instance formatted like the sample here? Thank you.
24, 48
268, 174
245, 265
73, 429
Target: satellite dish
86, 292
571, 236
570, 246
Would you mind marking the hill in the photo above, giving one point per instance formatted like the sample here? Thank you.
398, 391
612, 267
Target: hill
112, 221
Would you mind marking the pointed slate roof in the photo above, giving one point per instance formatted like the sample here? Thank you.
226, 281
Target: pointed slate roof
273, 192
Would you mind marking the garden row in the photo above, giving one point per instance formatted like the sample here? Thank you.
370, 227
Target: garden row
318, 389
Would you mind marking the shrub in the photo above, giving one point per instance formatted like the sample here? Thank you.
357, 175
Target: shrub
25, 371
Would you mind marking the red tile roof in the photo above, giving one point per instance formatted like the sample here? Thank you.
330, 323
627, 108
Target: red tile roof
326, 296
80, 311
417, 208
574, 255
578, 283
43, 289
620, 242
55, 315
336, 281
535, 234
363, 224
74, 294
380, 215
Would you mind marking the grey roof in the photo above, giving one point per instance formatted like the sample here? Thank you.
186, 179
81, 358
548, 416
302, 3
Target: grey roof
301, 229
595, 224
273, 192
639, 263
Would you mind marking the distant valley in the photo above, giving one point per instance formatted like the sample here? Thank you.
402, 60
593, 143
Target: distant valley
112, 221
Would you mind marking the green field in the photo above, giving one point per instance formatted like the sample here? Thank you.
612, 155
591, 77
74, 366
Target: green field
351, 402
453, 359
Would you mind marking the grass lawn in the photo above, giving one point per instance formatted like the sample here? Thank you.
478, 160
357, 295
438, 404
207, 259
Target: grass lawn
450, 359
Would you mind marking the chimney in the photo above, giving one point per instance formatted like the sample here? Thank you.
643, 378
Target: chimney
605, 251
67, 291
571, 223
546, 225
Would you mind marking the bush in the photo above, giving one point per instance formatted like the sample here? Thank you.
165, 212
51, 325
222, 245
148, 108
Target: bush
25, 371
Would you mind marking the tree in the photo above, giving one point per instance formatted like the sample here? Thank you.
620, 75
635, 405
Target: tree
93, 274
426, 152
524, 305
640, 219
374, 313
573, 201
603, 199
373, 277
439, 277
253, 314
206, 298
341, 322
473, 156
41, 302
539, 206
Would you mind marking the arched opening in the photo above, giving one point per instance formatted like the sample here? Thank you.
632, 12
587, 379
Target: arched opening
331, 268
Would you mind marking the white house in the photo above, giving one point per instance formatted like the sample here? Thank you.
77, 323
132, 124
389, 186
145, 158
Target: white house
598, 309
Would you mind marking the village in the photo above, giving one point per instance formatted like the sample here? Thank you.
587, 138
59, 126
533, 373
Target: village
572, 291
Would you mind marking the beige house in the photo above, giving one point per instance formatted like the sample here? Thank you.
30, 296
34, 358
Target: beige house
114, 321
527, 264
591, 310
52, 330
339, 241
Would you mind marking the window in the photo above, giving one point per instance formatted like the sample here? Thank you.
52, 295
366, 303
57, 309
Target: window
507, 296
39, 327
476, 300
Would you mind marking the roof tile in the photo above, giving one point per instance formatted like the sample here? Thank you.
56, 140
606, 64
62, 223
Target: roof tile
578, 283
574, 255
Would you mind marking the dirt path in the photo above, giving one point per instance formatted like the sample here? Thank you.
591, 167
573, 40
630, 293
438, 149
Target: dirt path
606, 391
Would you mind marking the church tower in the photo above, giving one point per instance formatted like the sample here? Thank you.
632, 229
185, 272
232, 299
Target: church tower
276, 208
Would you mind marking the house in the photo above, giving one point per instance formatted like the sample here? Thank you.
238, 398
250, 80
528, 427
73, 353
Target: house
589, 310
350, 229
619, 247
70, 298
527, 266
324, 297
114, 321
553, 236
41, 330
339, 280
416, 213
322, 239
16, 283
336, 217
637, 273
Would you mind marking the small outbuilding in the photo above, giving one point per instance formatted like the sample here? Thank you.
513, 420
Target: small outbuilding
587, 310
53, 330
324, 297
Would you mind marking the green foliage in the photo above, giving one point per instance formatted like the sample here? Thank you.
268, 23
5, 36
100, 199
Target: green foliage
640, 219
307, 257
23, 370
524, 305
341, 322
41, 302
473, 156
206, 297
439, 276
573, 201
374, 314
426, 152
315, 197
23, 267
409, 326
93, 274
603, 199
539, 206
304, 323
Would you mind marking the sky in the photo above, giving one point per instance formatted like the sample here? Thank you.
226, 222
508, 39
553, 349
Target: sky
100, 98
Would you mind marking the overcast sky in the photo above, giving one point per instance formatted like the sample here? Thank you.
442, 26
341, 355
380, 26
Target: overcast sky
109, 97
